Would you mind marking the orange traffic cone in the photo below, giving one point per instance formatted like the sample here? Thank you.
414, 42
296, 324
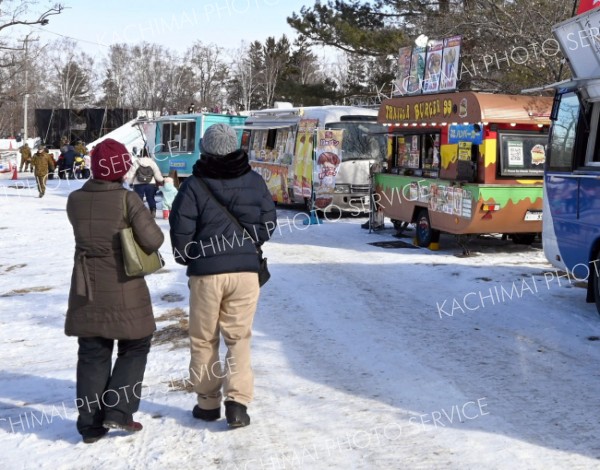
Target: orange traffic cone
14, 172
10, 144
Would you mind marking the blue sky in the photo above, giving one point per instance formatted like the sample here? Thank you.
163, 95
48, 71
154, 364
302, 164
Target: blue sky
175, 23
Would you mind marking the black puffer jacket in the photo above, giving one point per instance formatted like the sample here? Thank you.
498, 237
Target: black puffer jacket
203, 237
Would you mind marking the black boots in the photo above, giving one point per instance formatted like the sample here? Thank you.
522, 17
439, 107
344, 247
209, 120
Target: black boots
236, 414
206, 415
153, 212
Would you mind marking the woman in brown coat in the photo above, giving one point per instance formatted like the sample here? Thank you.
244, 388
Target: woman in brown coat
104, 303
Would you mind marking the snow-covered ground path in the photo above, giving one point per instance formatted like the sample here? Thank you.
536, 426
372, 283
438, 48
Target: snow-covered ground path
364, 357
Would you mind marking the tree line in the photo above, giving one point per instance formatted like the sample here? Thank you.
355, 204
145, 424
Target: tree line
506, 46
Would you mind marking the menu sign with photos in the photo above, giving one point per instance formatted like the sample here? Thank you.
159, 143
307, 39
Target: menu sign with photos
404, 60
450, 58
428, 70
433, 67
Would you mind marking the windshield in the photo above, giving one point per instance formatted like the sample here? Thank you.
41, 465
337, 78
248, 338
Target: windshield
362, 140
562, 148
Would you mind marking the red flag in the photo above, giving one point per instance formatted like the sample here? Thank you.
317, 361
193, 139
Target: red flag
585, 5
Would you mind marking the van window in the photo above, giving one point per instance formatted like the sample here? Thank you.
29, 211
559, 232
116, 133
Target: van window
593, 154
362, 140
563, 133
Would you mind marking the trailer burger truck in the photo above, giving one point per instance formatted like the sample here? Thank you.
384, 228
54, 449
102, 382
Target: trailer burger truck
464, 163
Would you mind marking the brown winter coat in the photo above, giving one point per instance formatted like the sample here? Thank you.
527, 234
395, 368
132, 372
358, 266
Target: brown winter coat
25, 152
43, 163
103, 300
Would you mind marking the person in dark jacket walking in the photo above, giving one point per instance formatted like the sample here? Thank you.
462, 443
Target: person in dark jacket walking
66, 162
222, 265
104, 303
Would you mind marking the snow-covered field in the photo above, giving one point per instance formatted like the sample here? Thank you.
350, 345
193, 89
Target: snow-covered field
365, 357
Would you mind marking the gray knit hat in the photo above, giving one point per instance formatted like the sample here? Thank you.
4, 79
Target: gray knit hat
219, 139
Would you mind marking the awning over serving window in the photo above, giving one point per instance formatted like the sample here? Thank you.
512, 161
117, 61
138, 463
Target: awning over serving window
465, 107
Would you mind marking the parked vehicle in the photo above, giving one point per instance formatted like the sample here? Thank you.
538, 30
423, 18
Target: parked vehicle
281, 146
571, 229
465, 163
173, 141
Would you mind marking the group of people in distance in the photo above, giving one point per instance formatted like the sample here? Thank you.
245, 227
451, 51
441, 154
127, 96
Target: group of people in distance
222, 200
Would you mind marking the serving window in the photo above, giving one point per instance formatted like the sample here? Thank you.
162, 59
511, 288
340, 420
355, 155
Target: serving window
417, 154
522, 153
272, 145
178, 137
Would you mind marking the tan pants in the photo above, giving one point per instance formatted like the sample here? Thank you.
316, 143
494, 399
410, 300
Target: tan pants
225, 304
41, 183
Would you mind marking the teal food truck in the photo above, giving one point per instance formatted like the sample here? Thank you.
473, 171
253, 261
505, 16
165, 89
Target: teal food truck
173, 141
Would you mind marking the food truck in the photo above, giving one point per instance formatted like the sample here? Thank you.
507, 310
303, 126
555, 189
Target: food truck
173, 141
283, 144
464, 163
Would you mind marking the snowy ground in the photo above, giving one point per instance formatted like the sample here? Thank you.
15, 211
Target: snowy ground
365, 357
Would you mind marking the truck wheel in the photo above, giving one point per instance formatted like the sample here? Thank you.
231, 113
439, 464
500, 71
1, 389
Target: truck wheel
425, 234
523, 238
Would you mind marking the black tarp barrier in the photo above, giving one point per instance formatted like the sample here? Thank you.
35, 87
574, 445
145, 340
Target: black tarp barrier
86, 124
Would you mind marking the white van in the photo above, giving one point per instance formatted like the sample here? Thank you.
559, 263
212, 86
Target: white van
270, 139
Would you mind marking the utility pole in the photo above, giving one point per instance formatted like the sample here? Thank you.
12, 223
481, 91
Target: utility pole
26, 96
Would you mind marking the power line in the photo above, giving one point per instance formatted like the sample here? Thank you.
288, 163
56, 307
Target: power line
69, 37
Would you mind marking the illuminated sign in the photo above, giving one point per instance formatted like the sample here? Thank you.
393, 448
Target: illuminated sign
464, 133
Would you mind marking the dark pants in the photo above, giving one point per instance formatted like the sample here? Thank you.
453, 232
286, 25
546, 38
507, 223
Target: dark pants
102, 395
148, 190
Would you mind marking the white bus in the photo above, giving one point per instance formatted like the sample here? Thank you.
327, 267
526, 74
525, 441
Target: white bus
270, 139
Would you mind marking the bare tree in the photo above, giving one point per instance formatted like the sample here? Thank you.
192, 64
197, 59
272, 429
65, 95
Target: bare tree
117, 67
14, 57
244, 77
71, 84
210, 72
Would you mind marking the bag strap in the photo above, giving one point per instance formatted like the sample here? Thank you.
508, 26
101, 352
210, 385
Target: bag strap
226, 211
125, 212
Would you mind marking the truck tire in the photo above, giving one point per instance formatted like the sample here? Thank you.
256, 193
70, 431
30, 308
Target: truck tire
424, 233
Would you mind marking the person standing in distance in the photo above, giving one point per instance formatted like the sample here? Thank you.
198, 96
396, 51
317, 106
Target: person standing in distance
144, 175
104, 303
25, 152
222, 265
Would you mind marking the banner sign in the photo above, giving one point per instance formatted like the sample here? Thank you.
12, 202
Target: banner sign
328, 151
464, 133
276, 177
303, 157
